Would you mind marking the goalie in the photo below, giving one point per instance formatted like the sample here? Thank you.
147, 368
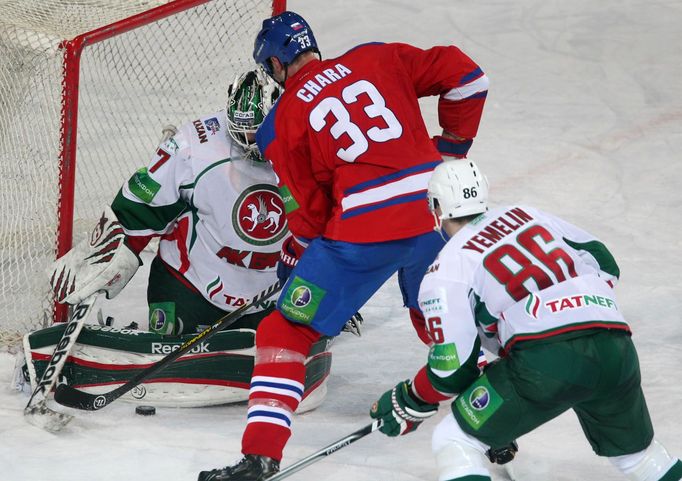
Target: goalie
214, 205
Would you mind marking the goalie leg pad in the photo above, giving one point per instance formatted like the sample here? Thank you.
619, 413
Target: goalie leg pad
458, 454
217, 371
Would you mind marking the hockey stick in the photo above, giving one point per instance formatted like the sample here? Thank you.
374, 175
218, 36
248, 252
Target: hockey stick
37, 412
71, 397
326, 451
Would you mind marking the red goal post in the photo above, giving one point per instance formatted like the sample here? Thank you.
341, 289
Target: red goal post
85, 88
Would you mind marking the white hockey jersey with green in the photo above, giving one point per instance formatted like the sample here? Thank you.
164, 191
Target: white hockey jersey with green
219, 216
514, 274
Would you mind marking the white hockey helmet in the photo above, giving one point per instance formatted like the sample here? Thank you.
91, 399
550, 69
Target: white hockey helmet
250, 98
458, 188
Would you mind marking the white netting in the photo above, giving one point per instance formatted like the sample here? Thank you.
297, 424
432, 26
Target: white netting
131, 85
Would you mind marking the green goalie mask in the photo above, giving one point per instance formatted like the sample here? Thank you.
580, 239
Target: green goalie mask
250, 98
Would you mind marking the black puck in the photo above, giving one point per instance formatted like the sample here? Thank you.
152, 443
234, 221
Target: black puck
145, 410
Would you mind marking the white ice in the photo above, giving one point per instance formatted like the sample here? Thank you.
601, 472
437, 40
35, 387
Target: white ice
584, 119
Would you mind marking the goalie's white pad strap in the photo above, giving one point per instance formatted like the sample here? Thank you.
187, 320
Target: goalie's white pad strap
101, 262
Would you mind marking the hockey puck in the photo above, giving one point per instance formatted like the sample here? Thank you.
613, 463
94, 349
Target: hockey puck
145, 410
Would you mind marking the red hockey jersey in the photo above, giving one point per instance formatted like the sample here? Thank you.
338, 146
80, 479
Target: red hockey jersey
349, 145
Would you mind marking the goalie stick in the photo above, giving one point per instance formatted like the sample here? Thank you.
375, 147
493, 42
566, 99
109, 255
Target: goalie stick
71, 397
37, 412
326, 451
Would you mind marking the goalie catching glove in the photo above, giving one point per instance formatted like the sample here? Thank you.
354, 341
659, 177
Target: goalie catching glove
401, 410
101, 262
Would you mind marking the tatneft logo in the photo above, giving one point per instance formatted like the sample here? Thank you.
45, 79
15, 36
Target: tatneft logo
301, 296
161, 348
579, 301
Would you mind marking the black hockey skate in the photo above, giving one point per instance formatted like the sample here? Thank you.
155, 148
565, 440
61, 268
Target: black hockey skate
250, 468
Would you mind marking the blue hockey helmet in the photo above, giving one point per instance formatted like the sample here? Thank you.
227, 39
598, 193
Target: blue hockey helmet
284, 36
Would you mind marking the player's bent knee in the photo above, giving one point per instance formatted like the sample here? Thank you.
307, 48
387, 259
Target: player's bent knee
458, 454
652, 464
276, 330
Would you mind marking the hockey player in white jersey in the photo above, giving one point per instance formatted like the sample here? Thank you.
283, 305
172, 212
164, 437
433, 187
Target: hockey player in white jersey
540, 292
214, 204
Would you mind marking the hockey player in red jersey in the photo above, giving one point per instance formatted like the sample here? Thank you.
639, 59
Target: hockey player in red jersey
353, 159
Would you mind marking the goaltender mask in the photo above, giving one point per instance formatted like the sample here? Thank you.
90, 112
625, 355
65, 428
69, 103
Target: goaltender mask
214, 205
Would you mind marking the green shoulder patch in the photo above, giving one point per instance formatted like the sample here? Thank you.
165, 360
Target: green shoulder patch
290, 203
301, 301
143, 186
478, 403
443, 357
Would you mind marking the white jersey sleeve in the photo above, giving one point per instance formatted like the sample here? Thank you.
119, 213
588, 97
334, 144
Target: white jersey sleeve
444, 301
152, 199
591, 250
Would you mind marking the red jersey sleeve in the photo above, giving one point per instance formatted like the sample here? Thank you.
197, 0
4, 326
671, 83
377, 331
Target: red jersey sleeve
460, 82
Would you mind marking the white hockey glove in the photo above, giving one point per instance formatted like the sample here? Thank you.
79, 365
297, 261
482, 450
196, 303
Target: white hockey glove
101, 262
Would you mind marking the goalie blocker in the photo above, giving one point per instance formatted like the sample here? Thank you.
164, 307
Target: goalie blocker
217, 371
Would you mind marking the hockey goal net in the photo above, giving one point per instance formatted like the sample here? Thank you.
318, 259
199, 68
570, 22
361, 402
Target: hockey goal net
85, 88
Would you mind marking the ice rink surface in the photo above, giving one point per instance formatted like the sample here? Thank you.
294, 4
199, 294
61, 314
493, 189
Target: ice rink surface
583, 118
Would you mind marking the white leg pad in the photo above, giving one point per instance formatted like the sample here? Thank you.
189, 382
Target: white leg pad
314, 399
457, 453
648, 465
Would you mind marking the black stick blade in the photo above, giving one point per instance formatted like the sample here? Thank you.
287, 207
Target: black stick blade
73, 398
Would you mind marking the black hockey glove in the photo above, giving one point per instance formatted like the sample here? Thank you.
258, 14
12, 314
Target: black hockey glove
503, 455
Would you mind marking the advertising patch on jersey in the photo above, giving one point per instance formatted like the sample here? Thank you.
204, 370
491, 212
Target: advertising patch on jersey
201, 131
478, 403
434, 301
143, 186
579, 301
290, 203
443, 357
302, 300
212, 125
162, 317
258, 215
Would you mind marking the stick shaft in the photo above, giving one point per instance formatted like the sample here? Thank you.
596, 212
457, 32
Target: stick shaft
326, 451
61, 351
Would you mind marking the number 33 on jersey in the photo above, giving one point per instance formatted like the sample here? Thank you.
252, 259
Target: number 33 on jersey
349, 144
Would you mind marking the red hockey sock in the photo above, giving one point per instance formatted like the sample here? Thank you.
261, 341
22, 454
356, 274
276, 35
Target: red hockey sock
276, 384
